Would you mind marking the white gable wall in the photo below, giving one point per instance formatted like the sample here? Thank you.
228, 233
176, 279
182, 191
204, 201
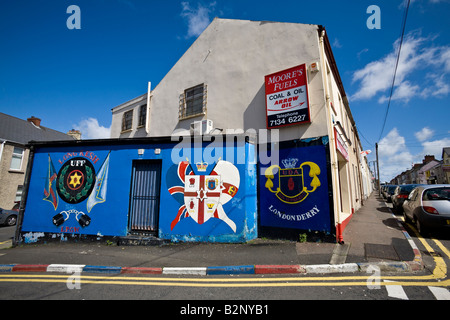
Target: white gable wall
232, 57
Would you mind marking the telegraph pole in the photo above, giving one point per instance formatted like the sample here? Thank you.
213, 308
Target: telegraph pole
378, 168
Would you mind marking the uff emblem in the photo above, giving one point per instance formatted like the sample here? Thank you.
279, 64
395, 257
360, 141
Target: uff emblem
75, 180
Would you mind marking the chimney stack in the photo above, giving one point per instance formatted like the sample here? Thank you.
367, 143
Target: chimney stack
35, 121
76, 134
428, 158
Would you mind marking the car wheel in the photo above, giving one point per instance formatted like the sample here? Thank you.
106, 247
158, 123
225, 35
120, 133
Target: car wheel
11, 221
421, 228
406, 216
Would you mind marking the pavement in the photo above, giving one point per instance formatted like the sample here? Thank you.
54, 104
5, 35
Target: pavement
374, 237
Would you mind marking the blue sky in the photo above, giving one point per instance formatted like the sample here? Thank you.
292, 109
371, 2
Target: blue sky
72, 78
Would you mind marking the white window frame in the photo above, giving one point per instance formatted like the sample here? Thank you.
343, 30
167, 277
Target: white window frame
19, 156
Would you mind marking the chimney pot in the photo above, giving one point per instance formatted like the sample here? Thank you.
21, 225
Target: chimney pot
35, 121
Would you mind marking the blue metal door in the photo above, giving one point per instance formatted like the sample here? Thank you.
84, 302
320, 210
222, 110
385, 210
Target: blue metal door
144, 198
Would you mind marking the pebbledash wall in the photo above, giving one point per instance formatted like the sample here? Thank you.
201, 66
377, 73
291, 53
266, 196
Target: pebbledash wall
185, 190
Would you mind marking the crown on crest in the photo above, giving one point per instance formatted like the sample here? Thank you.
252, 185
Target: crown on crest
289, 163
201, 166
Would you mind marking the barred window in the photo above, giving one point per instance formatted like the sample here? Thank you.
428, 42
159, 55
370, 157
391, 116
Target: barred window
142, 115
192, 102
127, 120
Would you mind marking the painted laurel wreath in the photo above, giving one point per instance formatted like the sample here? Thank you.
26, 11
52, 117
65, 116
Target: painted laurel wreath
83, 192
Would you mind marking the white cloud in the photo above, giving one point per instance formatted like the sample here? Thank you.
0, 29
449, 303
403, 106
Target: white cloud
91, 129
197, 19
435, 147
394, 156
336, 43
391, 144
417, 53
424, 134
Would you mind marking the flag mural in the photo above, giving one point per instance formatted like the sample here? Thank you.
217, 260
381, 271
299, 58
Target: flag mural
50, 185
98, 194
75, 184
127, 188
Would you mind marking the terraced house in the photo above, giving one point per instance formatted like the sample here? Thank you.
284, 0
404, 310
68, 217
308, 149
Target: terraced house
15, 133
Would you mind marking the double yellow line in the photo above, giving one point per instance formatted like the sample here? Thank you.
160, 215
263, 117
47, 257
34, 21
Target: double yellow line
438, 278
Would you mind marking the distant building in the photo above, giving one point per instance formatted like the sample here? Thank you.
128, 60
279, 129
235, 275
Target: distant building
15, 133
430, 171
446, 164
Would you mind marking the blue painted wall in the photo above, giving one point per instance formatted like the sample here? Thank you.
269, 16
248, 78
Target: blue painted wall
59, 204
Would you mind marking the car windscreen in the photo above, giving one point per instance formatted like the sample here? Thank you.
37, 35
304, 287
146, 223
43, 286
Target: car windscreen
436, 194
391, 189
406, 189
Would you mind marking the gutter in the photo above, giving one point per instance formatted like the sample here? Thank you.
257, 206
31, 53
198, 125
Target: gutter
1, 150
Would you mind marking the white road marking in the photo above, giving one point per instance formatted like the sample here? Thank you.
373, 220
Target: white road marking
395, 291
440, 293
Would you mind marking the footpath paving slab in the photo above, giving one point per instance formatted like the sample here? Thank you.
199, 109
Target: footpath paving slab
373, 237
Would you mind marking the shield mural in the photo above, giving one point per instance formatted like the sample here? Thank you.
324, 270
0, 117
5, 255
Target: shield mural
291, 181
201, 196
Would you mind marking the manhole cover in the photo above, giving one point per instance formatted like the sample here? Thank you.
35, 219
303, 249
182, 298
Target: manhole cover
380, 251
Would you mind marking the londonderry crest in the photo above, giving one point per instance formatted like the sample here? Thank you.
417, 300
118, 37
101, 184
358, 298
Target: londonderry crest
291, 188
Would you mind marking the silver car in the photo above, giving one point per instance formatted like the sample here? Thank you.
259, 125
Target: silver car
429, 207
8, 217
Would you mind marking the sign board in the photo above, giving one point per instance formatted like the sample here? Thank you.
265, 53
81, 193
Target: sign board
287, 97
340, 145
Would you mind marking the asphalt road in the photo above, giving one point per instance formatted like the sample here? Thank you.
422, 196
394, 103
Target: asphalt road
6, 233
239, 294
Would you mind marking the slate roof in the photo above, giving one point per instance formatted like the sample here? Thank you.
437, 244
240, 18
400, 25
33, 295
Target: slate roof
21, 131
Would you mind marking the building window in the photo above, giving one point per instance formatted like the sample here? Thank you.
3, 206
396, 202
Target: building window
19, 194
192, 102
127, 120
17, 157
142, 115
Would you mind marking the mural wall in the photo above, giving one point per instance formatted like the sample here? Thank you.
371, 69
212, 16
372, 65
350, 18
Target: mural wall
295, 192
85, 190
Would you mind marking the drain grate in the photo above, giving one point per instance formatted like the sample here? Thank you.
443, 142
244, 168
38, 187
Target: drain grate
380, 251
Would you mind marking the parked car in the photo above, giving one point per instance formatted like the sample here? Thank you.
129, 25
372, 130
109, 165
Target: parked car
389, 192
8, 217
383, 190
400, 194
428, 206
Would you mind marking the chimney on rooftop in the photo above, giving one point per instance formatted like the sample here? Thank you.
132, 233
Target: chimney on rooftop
76, 134
428, 158
35, 121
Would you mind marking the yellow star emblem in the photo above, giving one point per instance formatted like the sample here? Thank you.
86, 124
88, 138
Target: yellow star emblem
75, 180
